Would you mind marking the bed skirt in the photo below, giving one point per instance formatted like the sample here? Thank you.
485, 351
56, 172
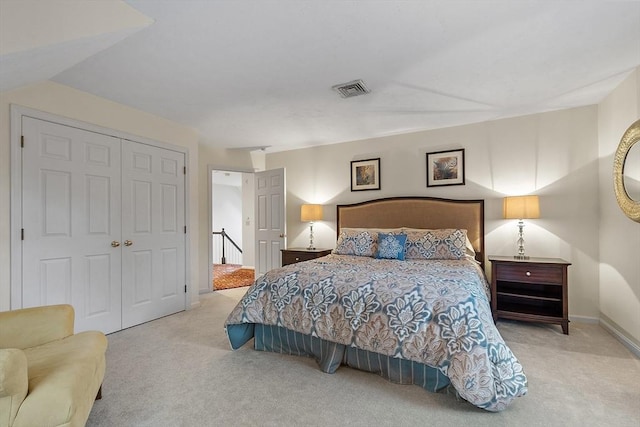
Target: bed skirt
330, 356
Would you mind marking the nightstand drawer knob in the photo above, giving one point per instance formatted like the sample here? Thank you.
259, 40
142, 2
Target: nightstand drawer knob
297, 258
528, 273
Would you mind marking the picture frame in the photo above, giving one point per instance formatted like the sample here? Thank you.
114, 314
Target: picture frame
365, 174
445, 168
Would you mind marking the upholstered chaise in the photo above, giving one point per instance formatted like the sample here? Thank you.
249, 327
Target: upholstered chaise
49, 376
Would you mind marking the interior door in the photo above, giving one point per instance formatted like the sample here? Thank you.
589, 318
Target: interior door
153, 233
270, 219
70, 217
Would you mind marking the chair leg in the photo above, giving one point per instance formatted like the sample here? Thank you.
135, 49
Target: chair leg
99, 395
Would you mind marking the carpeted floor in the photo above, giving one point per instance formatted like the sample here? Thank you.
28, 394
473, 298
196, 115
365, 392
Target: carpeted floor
180, 371
230, 276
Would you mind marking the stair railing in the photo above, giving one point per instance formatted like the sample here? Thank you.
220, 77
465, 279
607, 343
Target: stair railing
226, 246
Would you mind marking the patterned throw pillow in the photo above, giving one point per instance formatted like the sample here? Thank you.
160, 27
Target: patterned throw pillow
391, 246
436, 244
356, 242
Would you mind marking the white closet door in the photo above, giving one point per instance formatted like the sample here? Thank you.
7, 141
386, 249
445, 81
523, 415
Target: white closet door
153, 233
71, 216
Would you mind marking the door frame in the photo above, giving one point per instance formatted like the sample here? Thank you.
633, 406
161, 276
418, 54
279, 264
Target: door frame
17, 112
210, 169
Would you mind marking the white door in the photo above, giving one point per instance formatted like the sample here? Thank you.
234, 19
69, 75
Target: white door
269, 219
153, 233
70, 217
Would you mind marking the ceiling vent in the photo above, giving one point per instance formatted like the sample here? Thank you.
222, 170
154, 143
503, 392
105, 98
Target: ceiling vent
351, 89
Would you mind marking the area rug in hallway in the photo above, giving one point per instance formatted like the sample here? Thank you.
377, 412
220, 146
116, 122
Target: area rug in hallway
228, 276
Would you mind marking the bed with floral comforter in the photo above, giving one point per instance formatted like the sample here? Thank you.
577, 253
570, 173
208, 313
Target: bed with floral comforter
424, 322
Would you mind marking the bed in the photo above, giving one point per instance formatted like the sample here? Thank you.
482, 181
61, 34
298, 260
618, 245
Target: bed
403, 295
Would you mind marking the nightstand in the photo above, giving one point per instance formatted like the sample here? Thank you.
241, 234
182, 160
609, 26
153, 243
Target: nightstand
293, 255
533, 290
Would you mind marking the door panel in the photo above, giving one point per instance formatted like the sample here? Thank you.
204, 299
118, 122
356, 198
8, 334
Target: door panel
142, 275
270, 219
55, 282
98, 200
70, 216
98, 290
153, 218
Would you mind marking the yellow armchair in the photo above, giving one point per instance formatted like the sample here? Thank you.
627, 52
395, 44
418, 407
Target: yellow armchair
49, 376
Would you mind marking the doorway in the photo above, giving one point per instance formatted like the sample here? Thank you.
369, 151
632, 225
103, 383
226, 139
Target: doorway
232, 245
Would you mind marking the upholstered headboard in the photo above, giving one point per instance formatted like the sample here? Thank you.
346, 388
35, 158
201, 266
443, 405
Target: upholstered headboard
418, 212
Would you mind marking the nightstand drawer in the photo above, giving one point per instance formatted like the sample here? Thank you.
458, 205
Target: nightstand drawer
532, 273
292, 256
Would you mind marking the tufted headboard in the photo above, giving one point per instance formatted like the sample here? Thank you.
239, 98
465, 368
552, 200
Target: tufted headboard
418, 212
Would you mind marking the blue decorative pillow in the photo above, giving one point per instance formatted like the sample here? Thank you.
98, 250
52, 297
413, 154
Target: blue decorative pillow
391, 246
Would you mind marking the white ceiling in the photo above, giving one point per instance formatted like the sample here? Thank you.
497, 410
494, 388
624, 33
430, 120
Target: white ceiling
259, 73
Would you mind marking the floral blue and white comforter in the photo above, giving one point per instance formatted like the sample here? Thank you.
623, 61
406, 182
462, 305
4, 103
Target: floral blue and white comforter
432, 312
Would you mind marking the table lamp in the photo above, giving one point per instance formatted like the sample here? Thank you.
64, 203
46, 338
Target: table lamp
310, 213
520, 208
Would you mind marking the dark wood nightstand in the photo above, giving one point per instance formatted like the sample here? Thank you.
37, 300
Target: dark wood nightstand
533, 290
293, 255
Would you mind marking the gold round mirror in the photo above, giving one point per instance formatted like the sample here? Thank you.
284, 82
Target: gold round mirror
626, 172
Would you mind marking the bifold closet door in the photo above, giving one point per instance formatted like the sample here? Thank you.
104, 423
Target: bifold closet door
103, 221
153, 233
71, 181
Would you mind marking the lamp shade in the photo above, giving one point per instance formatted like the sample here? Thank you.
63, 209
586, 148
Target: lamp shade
521, 207
310, 213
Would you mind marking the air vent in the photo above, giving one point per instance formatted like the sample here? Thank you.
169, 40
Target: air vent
350, 89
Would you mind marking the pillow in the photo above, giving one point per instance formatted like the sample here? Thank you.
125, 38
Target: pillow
470, 251
391, 246
356, 242
446, 243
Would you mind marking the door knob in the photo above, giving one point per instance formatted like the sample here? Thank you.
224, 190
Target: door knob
281, 236
128, 243
115, 244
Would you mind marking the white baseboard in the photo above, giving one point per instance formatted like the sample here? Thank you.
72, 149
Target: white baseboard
620, 336
584, 319
194, 304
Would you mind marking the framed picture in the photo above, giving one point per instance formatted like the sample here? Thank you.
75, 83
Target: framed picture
365, 174
445, 168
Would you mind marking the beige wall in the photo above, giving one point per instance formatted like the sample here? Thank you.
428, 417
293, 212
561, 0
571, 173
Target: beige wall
619, 236
554, 155
64, 101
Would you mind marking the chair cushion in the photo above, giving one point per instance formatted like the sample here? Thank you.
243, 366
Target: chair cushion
43, 324
14, 383
64, 378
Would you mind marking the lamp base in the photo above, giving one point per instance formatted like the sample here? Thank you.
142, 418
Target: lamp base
311, 246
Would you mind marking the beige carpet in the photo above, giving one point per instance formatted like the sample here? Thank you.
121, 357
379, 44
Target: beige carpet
179, 371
